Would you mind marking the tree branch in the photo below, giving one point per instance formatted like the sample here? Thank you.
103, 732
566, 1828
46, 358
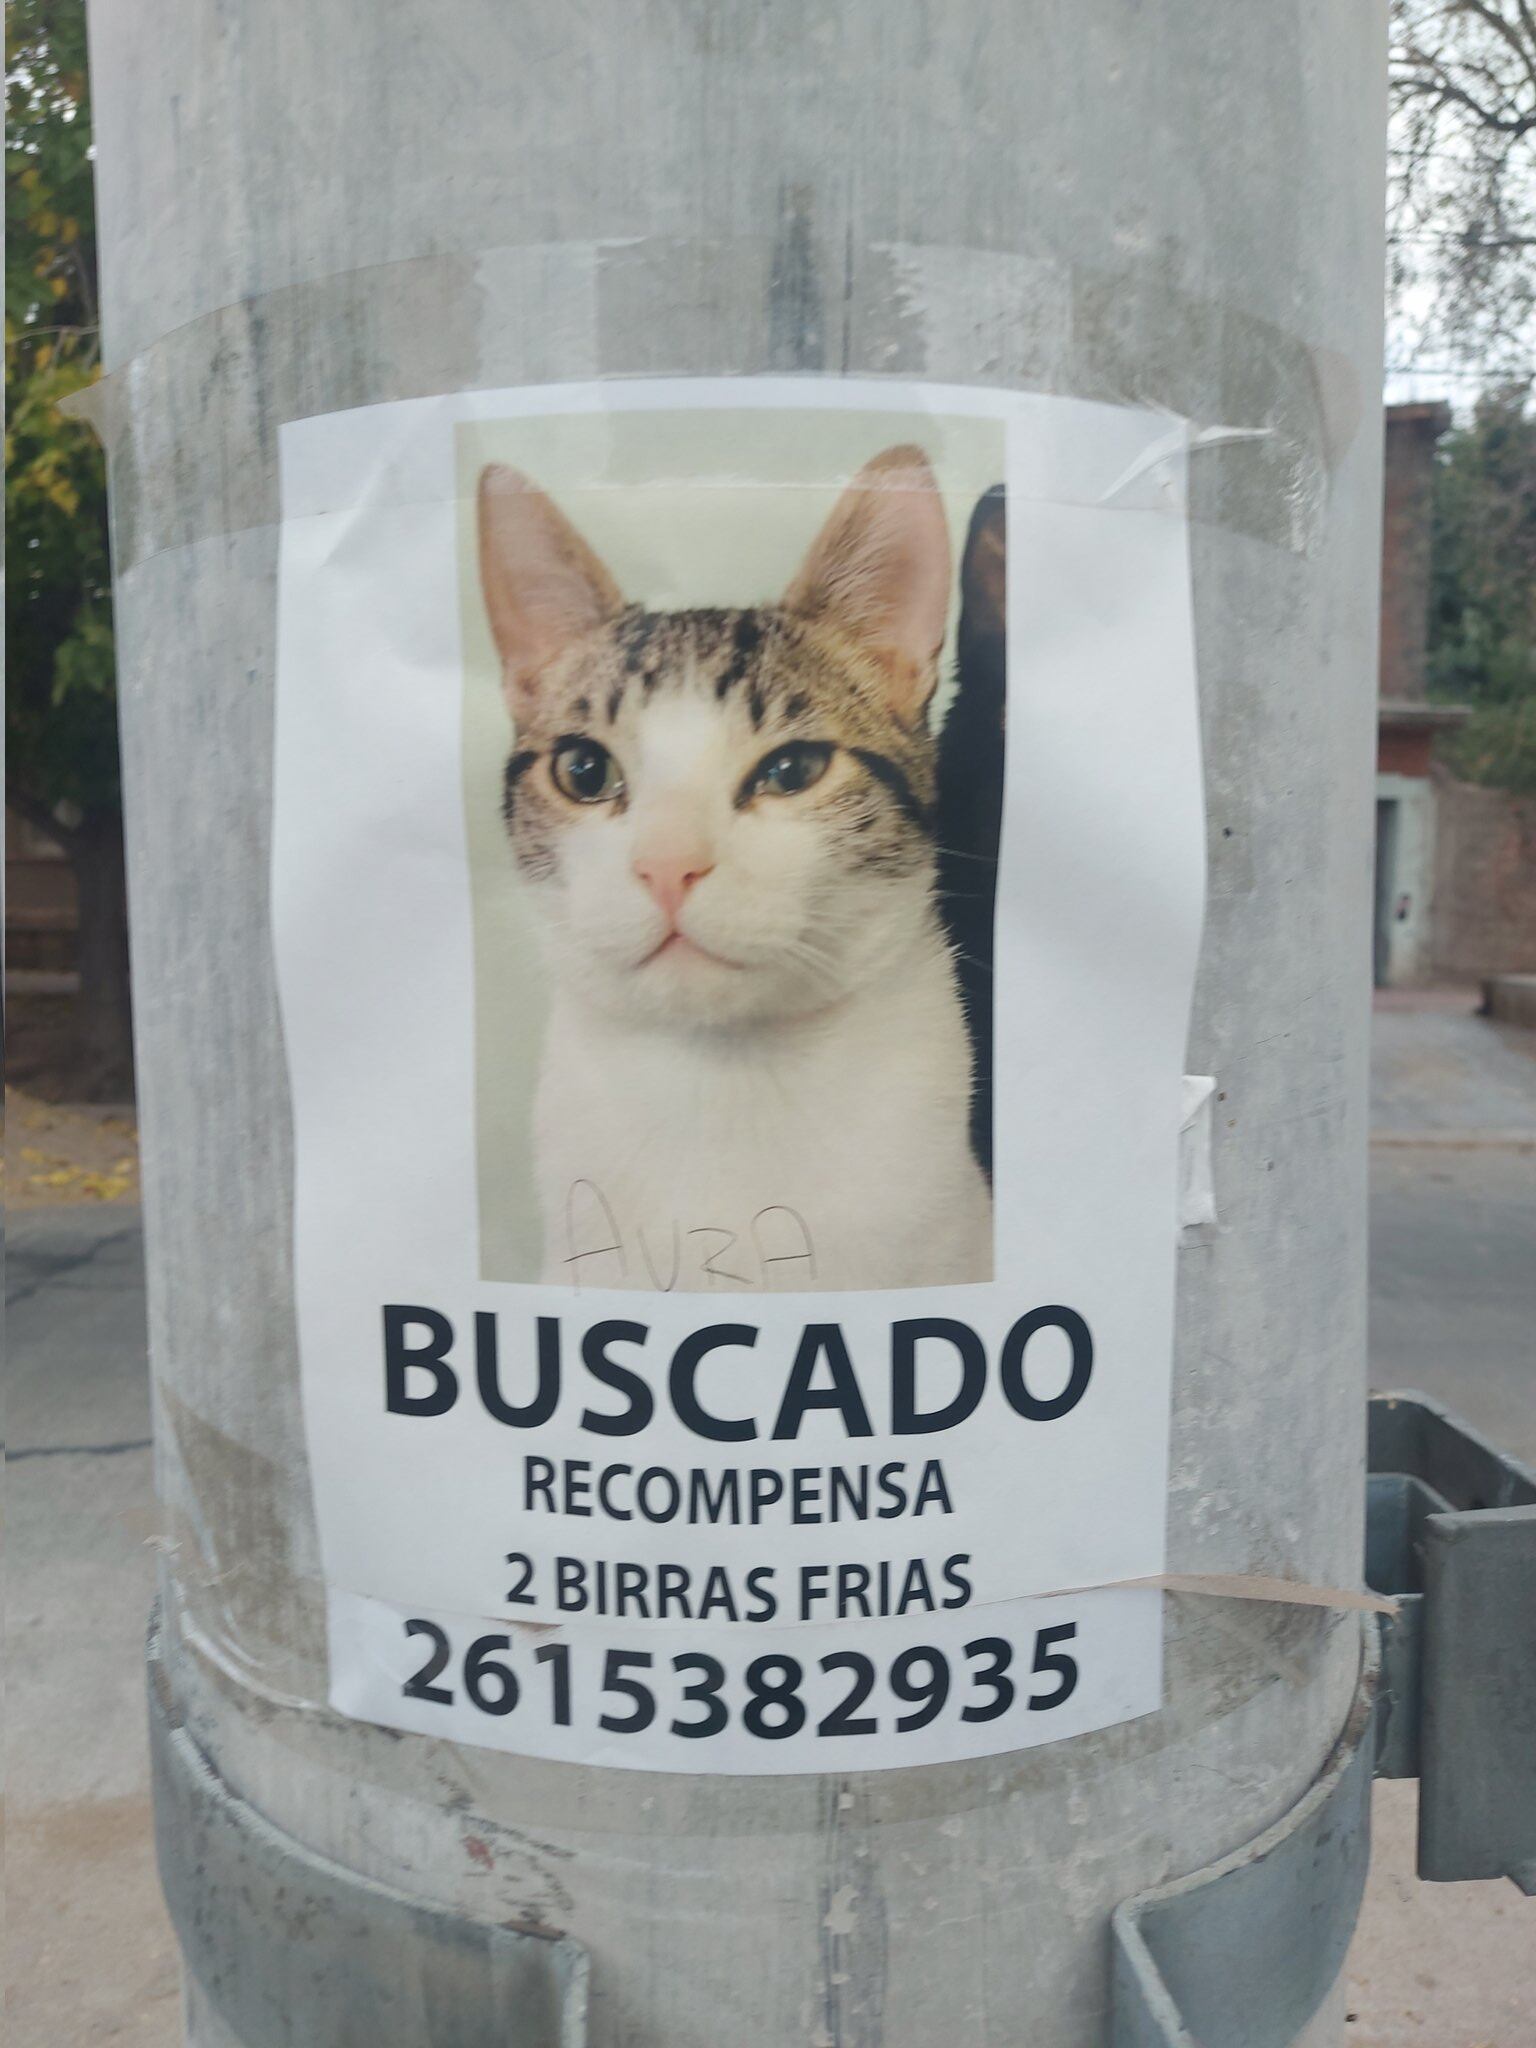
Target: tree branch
25, 334
1441, 89
87, 288
1451, 240
1504, 30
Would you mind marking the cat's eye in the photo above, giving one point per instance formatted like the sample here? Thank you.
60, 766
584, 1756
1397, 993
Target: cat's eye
789, 769
586, 772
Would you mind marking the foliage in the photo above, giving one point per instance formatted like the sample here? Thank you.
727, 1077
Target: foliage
1483, 599
1462, 201
61, 731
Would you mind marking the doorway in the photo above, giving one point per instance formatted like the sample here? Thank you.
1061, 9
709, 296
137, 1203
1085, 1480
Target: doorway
1386, 871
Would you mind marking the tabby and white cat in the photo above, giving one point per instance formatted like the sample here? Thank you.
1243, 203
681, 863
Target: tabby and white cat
756, 1069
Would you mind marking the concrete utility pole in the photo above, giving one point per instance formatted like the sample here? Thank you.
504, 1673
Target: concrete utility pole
308, 207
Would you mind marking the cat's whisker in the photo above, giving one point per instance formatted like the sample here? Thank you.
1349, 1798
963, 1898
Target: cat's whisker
823, 966
959, 853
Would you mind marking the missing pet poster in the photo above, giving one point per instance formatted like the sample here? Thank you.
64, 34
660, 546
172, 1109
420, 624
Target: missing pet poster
737, 881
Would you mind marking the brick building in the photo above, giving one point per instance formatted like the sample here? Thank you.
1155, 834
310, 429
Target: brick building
1455, 863
40, 909
1407, 724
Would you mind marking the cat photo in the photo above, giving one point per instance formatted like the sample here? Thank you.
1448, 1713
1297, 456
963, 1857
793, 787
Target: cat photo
760, 860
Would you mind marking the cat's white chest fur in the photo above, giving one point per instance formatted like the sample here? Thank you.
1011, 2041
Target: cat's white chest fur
823, 1154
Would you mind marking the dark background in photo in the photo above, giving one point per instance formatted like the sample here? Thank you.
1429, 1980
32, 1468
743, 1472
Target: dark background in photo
970, 800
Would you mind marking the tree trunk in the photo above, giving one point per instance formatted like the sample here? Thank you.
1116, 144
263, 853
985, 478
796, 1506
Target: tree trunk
104, 1023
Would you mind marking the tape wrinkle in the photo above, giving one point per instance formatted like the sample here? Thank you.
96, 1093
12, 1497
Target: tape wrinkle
1184, 438
1258, 1586
1197, 1190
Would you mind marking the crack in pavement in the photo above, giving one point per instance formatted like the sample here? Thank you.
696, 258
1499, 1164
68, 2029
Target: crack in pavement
58, 1268
137, 1443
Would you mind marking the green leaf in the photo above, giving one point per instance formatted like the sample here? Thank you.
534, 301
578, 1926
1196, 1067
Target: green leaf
61, 726
1482, 645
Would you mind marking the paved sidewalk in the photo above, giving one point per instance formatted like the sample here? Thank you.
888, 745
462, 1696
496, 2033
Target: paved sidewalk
1437, 1965
1441, 1074
90, 1959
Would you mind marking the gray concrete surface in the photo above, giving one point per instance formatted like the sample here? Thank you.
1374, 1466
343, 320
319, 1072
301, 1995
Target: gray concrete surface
89, 1954
1442, 1075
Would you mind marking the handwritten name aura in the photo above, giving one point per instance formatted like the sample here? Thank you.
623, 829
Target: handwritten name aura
776, 1250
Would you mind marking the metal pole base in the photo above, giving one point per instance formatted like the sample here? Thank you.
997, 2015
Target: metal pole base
1244, 1954
285, 1949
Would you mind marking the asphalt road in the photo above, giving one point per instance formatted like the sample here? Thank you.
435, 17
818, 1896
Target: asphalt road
1453, 1218
90, 1958
1453, 1284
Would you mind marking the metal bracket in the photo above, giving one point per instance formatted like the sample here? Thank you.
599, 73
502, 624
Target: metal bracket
1451, 1534
1243, 1953
293, 1951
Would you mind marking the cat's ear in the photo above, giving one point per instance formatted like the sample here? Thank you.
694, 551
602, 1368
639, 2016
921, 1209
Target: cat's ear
879, 571
543, 585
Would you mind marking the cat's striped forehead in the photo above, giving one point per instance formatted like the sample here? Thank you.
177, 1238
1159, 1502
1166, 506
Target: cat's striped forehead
767, 672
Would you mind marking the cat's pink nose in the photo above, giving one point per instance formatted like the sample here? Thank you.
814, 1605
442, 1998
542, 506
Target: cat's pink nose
670, 877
